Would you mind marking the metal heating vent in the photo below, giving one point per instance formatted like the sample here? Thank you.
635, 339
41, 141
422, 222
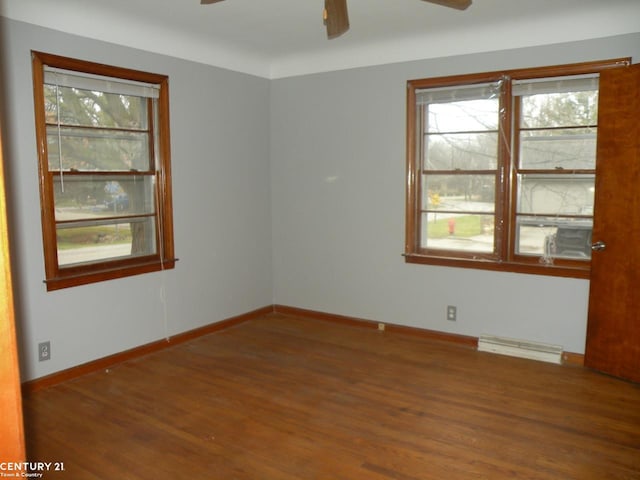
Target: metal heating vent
520, 348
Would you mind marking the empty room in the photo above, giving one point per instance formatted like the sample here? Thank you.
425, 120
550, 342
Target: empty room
320, 239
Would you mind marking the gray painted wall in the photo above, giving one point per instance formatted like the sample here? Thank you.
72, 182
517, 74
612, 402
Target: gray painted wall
222, 216
288, 191
338, 190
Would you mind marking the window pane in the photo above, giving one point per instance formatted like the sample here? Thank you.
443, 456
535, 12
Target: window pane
460, 133
87, 197
560, 109
461, 232
554, 238
98, 241
556, 194
554, 149
459, 193
561, 137
463, 151
79, 107
92, 149
465, 116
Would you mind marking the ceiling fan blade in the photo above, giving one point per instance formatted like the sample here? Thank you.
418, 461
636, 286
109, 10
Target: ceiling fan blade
207, 2
336, 17
457, 4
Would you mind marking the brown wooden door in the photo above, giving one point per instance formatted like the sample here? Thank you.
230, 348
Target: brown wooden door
11, 430
613, 332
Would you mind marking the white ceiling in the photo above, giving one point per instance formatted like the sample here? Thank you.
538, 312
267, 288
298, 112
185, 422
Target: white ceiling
280, 38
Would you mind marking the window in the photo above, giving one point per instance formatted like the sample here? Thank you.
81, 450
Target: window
501, 169
104, 164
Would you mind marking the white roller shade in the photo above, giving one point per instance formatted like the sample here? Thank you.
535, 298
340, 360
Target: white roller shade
575, 83
458, 93
99, 83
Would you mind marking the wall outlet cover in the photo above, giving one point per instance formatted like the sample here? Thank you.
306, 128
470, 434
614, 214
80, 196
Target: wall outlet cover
44, 351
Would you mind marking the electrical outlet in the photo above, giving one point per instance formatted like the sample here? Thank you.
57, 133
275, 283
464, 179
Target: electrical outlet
452, 313
381, 327
44, 351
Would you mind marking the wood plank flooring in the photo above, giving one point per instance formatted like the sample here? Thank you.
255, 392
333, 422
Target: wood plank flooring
288, 398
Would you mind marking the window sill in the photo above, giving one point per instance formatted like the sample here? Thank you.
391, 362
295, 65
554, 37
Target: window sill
512, 267
75, 279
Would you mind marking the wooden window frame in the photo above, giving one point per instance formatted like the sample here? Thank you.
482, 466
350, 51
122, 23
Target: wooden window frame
57, 277
504, 257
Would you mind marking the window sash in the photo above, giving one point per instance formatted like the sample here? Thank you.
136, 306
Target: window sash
466, 171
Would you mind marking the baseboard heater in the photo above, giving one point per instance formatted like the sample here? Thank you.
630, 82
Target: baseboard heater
520, 348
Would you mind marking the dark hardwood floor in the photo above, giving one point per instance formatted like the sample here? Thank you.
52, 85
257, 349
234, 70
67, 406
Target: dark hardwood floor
282, 397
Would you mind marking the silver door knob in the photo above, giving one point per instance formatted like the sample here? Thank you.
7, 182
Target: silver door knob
598, 246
